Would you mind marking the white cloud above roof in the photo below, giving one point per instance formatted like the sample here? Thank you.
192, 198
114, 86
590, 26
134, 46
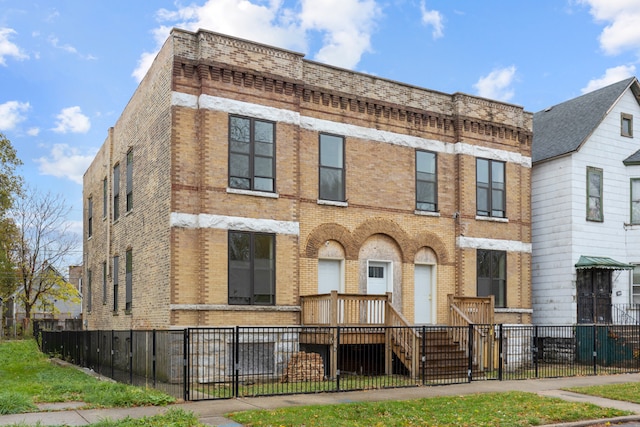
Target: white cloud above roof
612, 75
12, 113
622, 18
497, 84
432, 18
65, 161
346, 26
72, 120
8, 48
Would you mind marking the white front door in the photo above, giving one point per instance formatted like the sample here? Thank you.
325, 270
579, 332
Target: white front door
378, 283
330, 279
423, 294
329, 276
378, 278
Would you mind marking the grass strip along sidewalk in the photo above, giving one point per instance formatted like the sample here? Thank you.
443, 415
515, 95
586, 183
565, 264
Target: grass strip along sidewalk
27, 378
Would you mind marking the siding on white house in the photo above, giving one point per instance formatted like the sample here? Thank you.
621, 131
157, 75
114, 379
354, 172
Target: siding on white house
560, 231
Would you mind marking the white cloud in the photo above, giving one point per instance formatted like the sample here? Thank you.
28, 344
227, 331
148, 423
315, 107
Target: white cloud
12, 113
612, 75
497, 84
144, 63
622, 31
33, 131
8, 48
432, 18
72, 120
65, 161
346, 26
55, 42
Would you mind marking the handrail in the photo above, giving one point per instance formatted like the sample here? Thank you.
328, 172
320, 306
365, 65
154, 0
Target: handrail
482, 340
343, 309
622, 316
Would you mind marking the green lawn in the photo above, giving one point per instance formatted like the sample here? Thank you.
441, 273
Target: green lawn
27, 377
629, 392
492, 409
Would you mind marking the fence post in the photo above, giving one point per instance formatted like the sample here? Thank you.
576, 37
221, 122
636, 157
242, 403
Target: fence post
470, 367
423, 358
113, 338
236, 362
595, 349
131, 356
536, 350
153, 357
500, 351
337, 352
185, 363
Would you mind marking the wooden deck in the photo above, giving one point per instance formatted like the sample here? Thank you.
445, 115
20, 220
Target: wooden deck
371, 319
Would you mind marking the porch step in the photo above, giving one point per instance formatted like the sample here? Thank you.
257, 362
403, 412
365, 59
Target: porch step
440, 357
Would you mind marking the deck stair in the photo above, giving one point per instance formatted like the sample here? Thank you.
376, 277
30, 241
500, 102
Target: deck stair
428, 352
438, 356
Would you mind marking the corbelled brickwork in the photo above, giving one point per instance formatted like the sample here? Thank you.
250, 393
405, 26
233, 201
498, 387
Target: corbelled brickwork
177, 124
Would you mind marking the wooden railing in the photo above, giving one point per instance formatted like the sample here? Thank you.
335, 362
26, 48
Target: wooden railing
336, 309
476, 312
465, 314
404, 339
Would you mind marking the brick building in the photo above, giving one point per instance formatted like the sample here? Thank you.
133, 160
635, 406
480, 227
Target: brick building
241, 178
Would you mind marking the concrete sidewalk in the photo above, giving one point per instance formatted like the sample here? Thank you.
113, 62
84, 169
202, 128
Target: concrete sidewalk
213, 412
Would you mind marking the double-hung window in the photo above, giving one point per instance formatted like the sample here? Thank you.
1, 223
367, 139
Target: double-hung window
105, 198
129, 180
331, 168
426, 181
626, 125
104, 282
635, 284
128, 297
252, 266
490, 188
492, 275
251, 154
116, 192
90, 217
594, 194
116, 266
635, 201
89, 291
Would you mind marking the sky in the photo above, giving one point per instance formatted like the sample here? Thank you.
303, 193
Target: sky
69, 67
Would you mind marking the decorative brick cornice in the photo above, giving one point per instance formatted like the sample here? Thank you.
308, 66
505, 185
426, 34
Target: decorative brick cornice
207, 37
185, 68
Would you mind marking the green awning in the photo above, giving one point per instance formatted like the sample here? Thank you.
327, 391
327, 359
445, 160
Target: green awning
601, 262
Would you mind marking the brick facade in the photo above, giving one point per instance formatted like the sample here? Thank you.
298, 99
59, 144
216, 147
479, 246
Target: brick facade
177, 126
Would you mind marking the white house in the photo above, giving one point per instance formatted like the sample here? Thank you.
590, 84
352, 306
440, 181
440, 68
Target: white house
585, 205
51, 312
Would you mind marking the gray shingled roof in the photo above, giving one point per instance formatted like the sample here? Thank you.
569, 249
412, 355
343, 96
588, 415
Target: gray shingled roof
633, 159
563, 128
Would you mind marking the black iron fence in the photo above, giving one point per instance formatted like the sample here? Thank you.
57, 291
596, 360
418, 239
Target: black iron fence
219, 363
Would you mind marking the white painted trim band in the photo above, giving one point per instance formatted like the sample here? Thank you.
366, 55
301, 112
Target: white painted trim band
225, 307
493, 244
223, 222
233, 106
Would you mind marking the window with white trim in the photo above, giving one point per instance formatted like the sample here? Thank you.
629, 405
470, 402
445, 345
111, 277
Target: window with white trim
594, 194
426, 181
490, 188
252, 154
635, 201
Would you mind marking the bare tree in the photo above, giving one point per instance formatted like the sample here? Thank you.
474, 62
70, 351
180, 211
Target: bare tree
43, 241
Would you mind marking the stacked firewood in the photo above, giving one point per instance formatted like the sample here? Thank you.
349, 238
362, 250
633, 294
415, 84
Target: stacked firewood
304, 367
